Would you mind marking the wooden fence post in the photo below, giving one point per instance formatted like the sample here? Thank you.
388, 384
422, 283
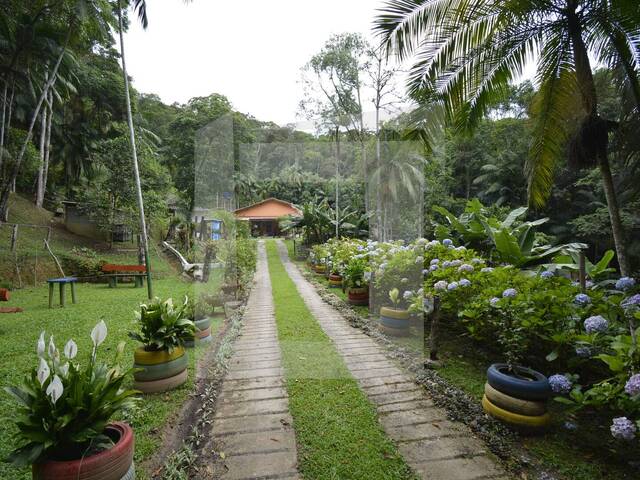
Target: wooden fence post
434, 330
582, 273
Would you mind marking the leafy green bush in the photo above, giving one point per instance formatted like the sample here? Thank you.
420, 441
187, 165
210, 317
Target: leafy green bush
163, 325
81, 265
64, 407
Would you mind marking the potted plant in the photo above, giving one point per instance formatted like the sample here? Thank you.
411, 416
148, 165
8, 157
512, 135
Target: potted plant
63, 421
199, 312
356, 279
161, 362
394, 320
514, 394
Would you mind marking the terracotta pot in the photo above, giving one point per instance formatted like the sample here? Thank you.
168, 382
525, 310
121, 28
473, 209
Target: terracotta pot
394, 321
335, 281
159, 370
4, 295
358, 296
112, 464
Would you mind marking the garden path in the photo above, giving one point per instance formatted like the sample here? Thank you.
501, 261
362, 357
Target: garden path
434, 447
252, 425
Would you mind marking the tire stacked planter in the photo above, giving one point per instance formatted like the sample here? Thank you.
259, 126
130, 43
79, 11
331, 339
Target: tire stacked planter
116, 463
4, 295
203, 330
319, 268
394, 321
159, 370
335, 280
517, 398
358, 295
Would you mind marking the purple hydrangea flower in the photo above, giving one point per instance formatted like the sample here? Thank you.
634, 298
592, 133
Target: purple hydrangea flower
425, 272
583, 352
631, 301
461, 248
433, 268
477, 261
452, 286
455, 263
509, 293
632, 386
464, 282
582, 299
487, 270
440, 285
447, 242
465, 267
625, 283
547, 274
435, 261
596, 324
446, 264
623, 429
494, 301
560, 384
407, 294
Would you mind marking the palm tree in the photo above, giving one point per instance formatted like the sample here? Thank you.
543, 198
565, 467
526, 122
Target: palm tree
470, 50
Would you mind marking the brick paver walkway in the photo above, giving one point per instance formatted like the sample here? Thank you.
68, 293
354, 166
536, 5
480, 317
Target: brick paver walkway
434, 447
252, 424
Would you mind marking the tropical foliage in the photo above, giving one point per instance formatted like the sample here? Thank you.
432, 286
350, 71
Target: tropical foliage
163, 325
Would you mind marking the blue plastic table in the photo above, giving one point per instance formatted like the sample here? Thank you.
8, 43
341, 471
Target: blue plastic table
62, 282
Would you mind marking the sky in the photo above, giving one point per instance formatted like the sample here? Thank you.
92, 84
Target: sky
250, 51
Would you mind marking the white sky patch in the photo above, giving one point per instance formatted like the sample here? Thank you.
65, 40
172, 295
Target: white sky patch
250, 51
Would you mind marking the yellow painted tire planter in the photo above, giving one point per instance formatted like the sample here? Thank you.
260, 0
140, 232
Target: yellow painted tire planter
515, 419
394, 321
143, 357
514, 405
335, 281
319, 269
162, 370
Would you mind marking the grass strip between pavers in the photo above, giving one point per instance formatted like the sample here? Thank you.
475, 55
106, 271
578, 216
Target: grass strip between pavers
337, 431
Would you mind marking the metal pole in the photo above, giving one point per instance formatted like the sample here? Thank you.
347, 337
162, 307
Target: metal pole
136, 170
337, 187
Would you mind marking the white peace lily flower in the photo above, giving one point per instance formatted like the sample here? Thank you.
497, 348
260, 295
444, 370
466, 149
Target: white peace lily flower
64, 369
55, 389
70, 349
99, 333
52, 347
41, 345
43, 371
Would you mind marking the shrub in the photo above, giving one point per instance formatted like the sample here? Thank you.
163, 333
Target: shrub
163, 326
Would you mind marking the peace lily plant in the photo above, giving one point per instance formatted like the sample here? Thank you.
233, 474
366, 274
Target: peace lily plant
65, 407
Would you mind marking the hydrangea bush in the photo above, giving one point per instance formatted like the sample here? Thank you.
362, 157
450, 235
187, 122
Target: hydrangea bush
539, 316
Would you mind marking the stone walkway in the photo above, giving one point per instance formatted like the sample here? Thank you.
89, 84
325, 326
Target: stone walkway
252, 425
434, 447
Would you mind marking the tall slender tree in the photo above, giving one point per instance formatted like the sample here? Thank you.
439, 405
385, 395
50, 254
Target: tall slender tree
469, 51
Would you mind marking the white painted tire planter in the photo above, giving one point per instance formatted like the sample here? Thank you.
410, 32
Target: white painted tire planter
159, 371
166, 384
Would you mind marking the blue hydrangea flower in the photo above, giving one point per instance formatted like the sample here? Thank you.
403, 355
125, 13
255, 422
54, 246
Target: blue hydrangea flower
487, 270
465, 267
440, 285
455, 263
509, 293
461, 248
447, 242
596, 324
623, 429
582, 299
425, 272
570, 426
632, 387
560, 384
494, 301
446, 264
583, 352
464, 282
547, 274
407, 294
625, 283
477, 261
435, 261
631, 301
433, 268
452, 286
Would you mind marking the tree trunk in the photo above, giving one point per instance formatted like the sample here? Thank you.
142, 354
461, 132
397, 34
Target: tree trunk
134, 155
43, 139
614, 215
11, 181
6, 130
47, 151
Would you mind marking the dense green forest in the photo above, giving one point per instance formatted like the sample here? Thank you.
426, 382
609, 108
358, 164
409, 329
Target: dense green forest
64, 136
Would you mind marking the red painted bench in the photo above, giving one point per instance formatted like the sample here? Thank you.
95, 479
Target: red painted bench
112, 271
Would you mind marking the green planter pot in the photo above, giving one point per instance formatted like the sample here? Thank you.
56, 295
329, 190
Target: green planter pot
160, 370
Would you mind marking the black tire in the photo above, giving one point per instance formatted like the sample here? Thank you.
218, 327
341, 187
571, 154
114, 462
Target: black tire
528, 385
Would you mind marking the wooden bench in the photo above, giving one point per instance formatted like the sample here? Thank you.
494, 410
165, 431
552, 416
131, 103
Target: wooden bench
113, 272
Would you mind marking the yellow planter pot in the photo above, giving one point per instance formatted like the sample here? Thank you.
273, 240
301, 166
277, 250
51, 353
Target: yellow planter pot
526, 421
514, 405
142, 357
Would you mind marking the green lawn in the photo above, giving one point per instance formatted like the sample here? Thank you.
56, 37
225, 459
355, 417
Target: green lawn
19, 333
336, 427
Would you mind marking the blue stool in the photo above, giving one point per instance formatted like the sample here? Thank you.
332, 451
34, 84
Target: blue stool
62, 282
